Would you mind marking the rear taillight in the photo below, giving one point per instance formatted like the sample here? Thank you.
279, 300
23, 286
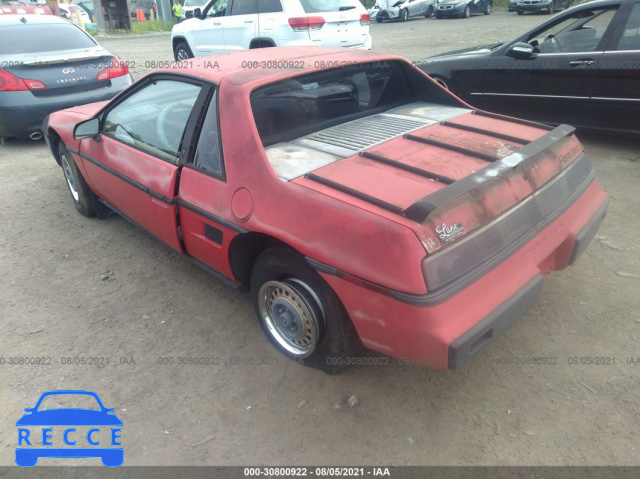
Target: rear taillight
10, 82
117, 68
304, 24
365, 18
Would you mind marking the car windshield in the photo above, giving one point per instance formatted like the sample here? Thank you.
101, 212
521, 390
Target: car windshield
65, 401
194, 3
41, 38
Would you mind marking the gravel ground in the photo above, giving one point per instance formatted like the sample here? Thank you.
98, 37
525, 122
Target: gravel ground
74, 287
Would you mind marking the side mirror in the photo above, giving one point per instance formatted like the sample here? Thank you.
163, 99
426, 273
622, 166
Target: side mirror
197, 13
87, 129
521, 51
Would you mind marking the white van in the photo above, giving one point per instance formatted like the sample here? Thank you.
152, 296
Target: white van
231, 25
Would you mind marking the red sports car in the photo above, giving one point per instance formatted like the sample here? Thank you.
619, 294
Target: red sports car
350, 193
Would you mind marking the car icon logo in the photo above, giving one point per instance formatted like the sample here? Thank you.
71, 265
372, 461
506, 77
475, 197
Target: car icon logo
68, 71
69, 432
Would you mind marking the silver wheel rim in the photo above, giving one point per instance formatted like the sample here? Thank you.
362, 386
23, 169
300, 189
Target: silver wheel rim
182, 55
289, 316
71, 181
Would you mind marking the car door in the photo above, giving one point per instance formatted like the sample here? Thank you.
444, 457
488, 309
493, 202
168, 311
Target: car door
615, 102
241, 25
204, 198
556, 82
208, 32
133, 163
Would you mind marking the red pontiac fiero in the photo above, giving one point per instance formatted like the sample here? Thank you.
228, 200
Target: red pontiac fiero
350, 193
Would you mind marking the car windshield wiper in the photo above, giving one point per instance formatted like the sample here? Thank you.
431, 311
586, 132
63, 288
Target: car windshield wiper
350, 7
493, 47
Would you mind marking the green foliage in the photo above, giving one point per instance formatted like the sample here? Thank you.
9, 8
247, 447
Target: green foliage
151, 26
368, 3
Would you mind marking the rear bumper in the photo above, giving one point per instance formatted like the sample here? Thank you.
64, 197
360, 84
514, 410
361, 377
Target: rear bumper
21, 113
533, 8
449, 334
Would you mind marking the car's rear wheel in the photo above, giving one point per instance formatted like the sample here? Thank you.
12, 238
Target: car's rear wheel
82, 196
552, 8
182, 52
487, 10
298, 311
467, 12
429, 13
404, 15
379, 19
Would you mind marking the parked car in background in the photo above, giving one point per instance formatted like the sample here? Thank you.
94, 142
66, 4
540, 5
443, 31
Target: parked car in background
66, 11
190, 5
47, 64
362, 202
227, 26
12, 8
87, 7
462, 8
540, 6
401, 10
578, 67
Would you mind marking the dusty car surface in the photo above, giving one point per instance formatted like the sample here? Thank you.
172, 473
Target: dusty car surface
352, 195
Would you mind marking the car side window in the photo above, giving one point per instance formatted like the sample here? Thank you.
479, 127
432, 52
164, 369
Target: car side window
631, 35
154, 118
580, 32
244, 7
269, 6
208, 155
216, 9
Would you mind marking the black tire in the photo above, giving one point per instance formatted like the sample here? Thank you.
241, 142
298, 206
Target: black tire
429, 12
379, 19
283, 283
552, 8
467, 12
438, 16
182, 52
487, 10
82, 196
404, 15
520, 12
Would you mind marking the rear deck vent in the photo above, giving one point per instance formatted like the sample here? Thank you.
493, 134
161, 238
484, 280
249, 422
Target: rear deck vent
367, 132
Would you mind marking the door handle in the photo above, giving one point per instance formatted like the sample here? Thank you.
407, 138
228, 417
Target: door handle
582, 63
217, 23
248, 21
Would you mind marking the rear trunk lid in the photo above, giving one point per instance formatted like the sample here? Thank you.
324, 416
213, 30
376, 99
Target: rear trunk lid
342, 27
449, 171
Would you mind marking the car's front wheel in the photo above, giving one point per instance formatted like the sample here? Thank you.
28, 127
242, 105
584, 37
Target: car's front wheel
487, 10
520, 12
83, 198
298, 311
182, 52
551, 8
404, 15
429, 13
467, 12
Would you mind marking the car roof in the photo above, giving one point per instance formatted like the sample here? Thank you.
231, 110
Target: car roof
271, 64
16, 19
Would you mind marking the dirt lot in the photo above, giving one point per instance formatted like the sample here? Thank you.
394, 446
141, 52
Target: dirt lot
74, 287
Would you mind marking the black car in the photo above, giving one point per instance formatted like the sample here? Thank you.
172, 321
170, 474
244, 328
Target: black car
581, 66
538, 6
48, 64
462, 8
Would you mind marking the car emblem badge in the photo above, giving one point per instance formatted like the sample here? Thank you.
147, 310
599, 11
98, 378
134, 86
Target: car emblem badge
68, 71
448, 233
